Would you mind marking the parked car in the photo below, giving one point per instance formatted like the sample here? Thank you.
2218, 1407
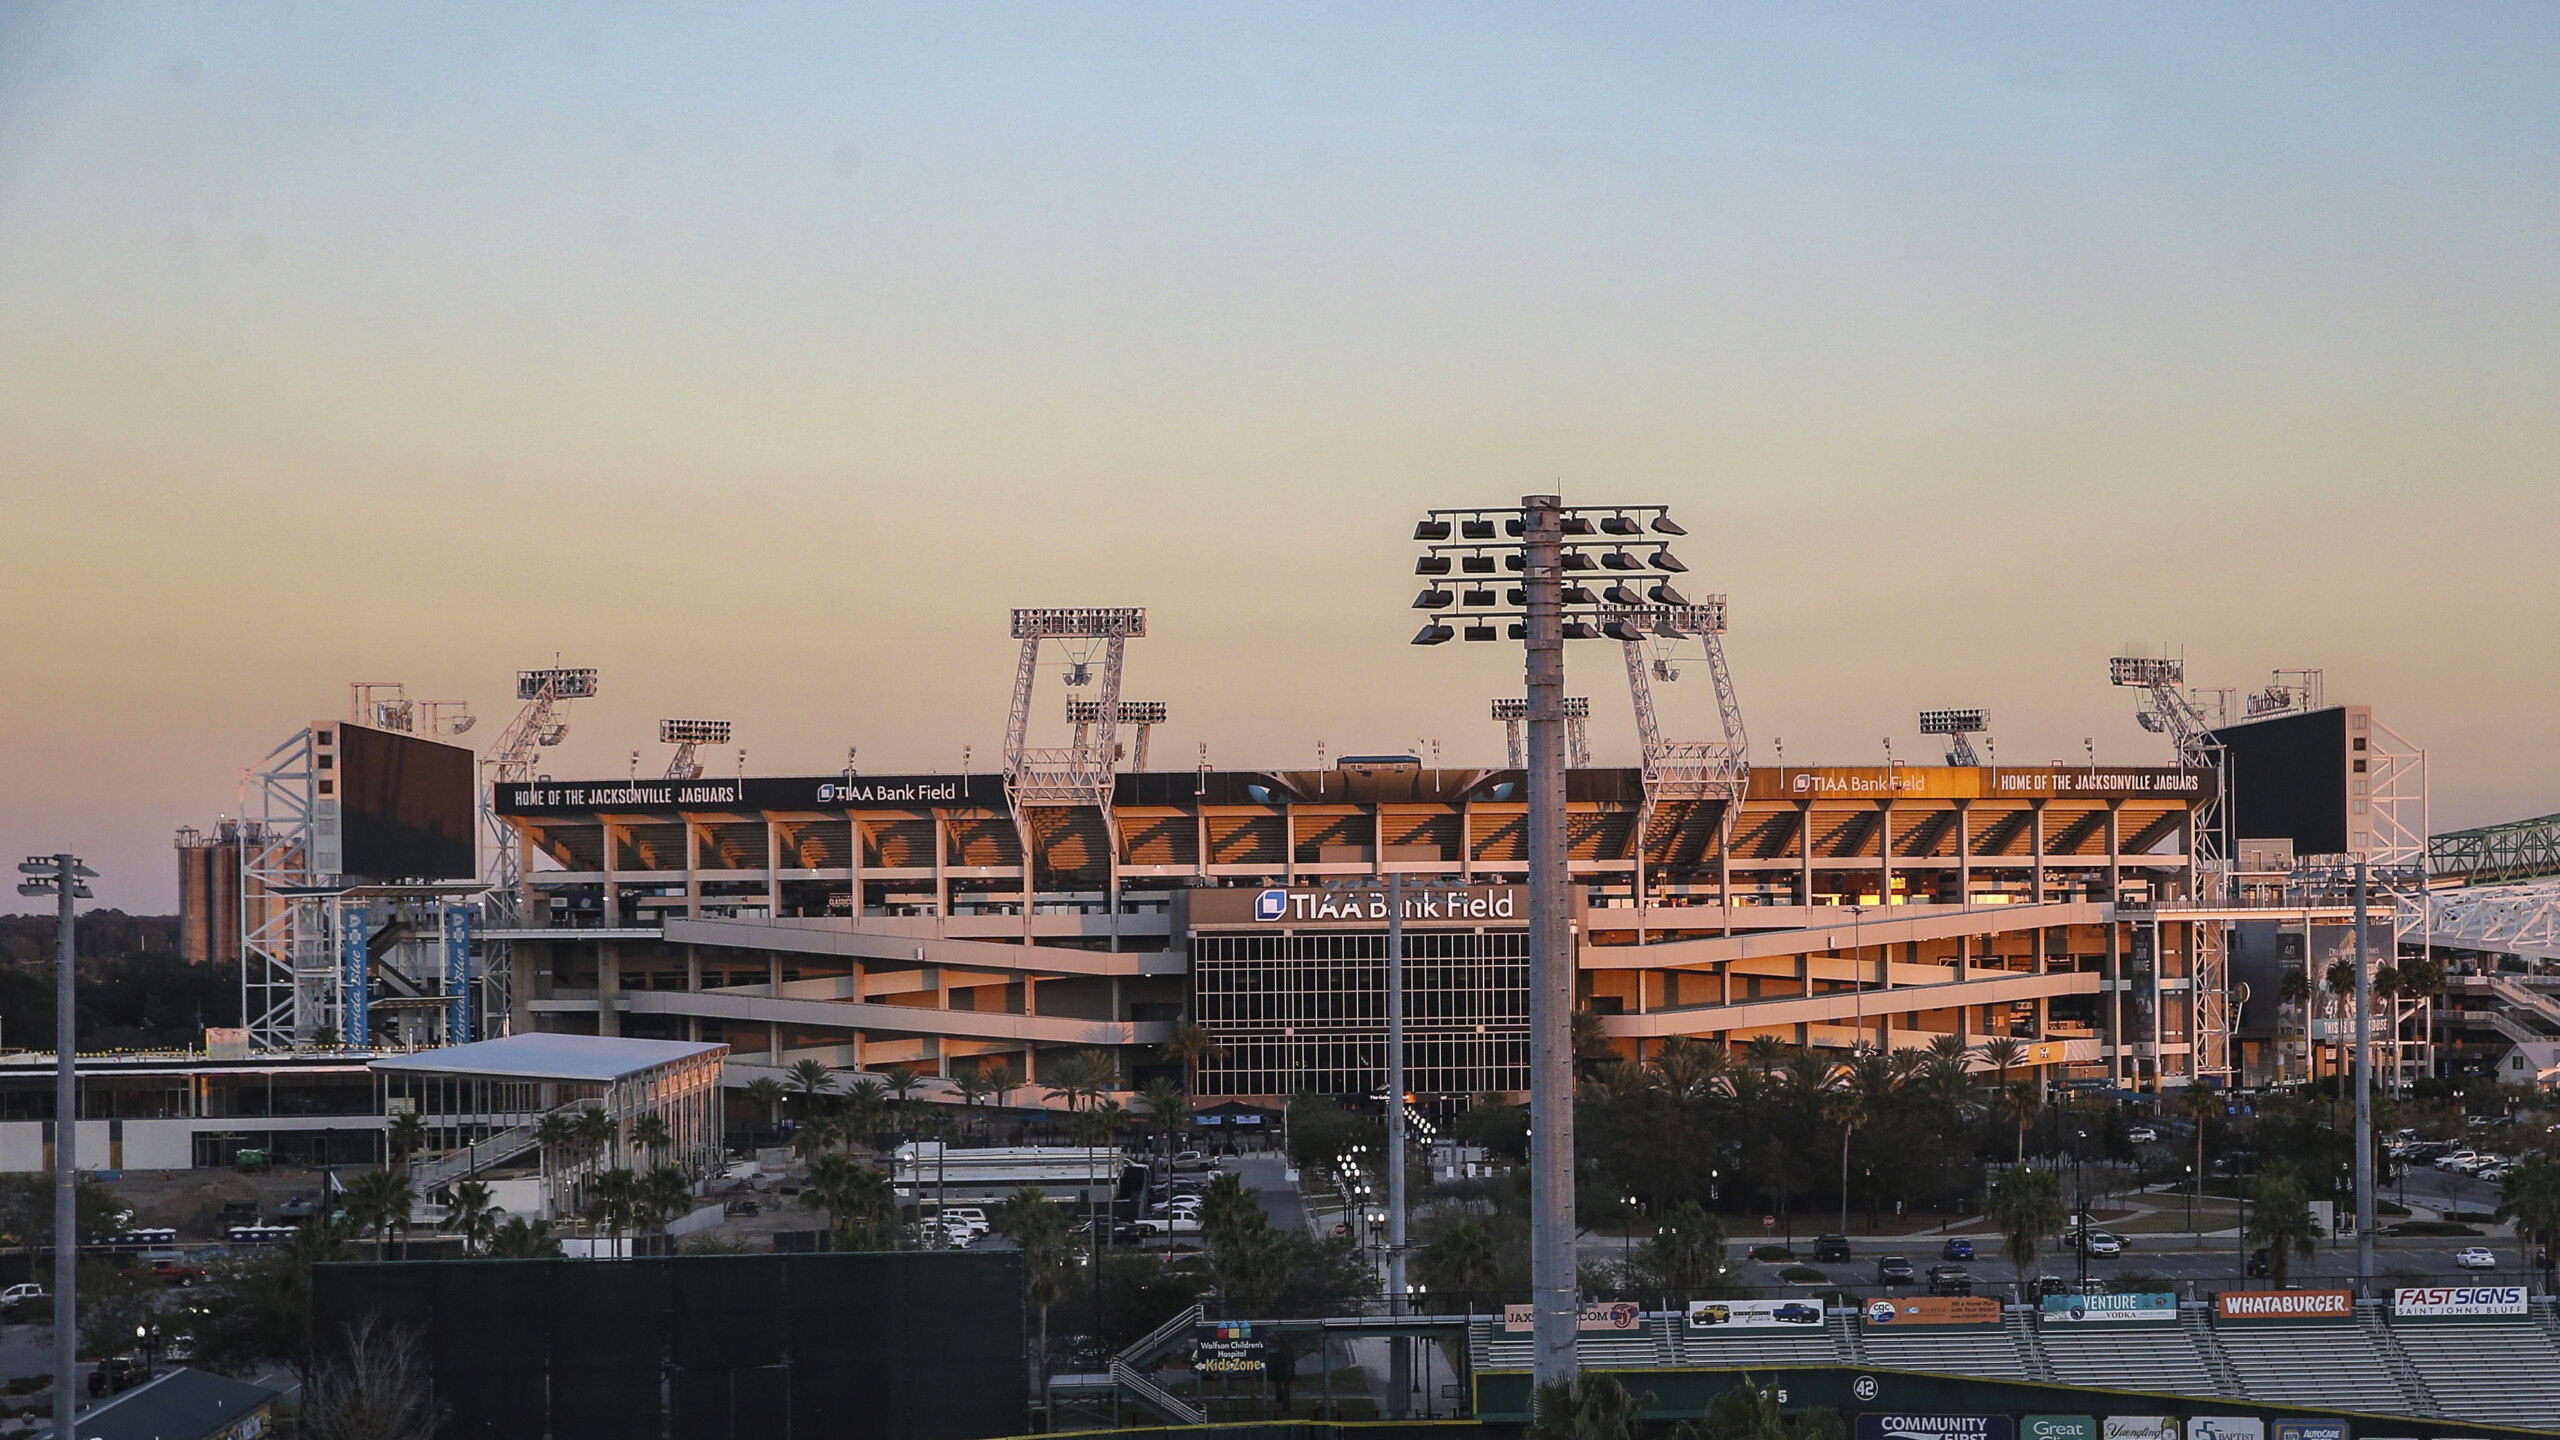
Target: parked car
17, 1295
117, 1374
1950, 1280
1831, 1250
2143, 1135
297, 1207
2103, 1242
2453, 1160
1958, 1248
167, 1272
1190, 1160
2476, 1257
1893, 1270
1181, 1223
2258, 1263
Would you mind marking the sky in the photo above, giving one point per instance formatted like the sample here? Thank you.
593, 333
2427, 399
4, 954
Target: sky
762, 357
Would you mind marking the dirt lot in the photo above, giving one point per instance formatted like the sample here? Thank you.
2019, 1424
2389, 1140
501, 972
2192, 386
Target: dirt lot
191, 1200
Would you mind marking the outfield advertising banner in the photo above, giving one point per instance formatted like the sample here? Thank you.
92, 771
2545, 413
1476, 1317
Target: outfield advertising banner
2227, 1427
2138, 1427
1620, 1317
2058, 1427
2456, 1302
2246, 1307
1724, 1316
1931, 1312
2310, 1430
2154, 1308
1876, 1426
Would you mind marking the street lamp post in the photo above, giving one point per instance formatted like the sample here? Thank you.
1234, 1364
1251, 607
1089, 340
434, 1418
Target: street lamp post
1542, 612
2080, 1199
60, 876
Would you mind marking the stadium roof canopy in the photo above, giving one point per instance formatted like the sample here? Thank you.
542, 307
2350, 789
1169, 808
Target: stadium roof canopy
550, 1057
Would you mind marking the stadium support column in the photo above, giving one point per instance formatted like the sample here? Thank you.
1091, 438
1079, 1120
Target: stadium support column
1551, 1219
2364, 1089
60, 876
1400, 1366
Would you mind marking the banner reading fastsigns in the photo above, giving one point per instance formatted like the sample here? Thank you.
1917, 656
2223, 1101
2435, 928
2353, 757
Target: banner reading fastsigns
2151, 1308
1624, 1317
1724, 1316
1874, 1426
1931, 1312
2242, 1307
2456, 1302
1301, 908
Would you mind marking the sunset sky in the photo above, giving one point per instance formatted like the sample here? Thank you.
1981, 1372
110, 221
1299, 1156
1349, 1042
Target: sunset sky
763, 356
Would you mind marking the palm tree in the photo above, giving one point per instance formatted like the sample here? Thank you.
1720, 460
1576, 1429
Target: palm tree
766, 1091
1079, 1075
1001, 1081
1866, 1089
2202, 1104
813, 1079
866, 1110
1687, 1253
2003, 1053
1039, 1230
1194, 1046
2020, 1100
817, 1134
1591, 1405
902, 1081
380, 1201
973, 1088
614, 1203
596, 1130
2026, 1205
1463, 1261
1097, 1124
1167, 1107
523, 1239
665, 1193
651, 1134
471, 1216
1765, 1053
1226, 1205
1688, 1070
2529, 1196
860, 1204
407, 1135
2282, 1222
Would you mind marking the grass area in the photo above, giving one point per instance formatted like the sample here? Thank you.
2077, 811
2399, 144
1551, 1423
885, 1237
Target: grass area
1803, 1275
2173, 1218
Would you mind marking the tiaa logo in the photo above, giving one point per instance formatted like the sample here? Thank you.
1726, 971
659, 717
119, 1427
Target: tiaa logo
1804, 782
1270, 904
826, 793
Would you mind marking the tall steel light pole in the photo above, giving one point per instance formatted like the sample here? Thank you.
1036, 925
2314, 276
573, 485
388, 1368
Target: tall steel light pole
60, 877
1540, 541
1400, 1349
2364, 1091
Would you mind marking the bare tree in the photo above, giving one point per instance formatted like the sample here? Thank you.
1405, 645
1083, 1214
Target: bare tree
377, 1389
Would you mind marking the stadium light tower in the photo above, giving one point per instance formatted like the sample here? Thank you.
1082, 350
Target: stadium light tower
686, 735
1511, 710
60, 876
1554, 550
1959, 726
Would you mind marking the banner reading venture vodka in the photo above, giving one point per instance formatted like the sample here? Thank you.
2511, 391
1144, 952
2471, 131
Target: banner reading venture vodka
2153, 1308
2456, 1302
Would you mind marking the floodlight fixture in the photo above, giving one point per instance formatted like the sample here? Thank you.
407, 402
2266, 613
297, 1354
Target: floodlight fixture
1434, 634
1516, 707
1663, 524
1081, 623
1576, 560
1477, 600
1476, 529
1621, 595
1663, 594
564, 683
1433, 599
1620, 525
1620, 560
1573, 524
693, 732
1477, 564
1666, 561
1580, 595
1431, 565
2145, 670
1480, 632
1954, 722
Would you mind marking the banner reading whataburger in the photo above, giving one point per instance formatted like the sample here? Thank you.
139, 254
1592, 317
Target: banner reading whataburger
2243, 1306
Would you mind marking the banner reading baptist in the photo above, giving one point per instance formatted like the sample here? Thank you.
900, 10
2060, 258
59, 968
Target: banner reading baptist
2451, 1302
2243, 1306
2150, 1308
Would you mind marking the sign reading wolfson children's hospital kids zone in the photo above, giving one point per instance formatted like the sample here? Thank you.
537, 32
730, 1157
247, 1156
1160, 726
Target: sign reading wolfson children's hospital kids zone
2242, 1307
1875, 1426
2456, 1302
2150, 1308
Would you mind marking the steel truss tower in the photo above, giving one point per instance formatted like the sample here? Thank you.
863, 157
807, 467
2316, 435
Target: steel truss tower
541, 722
1682, 769
1511, 710
1079, 774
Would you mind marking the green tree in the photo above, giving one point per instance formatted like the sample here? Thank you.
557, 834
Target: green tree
613, 1201
407, 1135
523, 1239
1194, 1046
766, 1091
1753, 1410
2026, 1206
818, 1134
974, 1090
812, 1079
2203, 1105
651, 1135
254, 1308
597, 1133
865, 1114
1039, 1229
2021, 1100
472, 1216
1168, 1108
666, 1193
1686, 1255
380, 1202
1001, 1081
2281, 1221
555, 1135
2529, 1198
860, 1204
1591, 1405
1463, 1262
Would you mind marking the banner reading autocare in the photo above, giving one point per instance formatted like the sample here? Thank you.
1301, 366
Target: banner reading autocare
1932, 1312
1720, 1316
2456, 1302
1876, 1426
2292, 1306
1624, 1317
2156, 1308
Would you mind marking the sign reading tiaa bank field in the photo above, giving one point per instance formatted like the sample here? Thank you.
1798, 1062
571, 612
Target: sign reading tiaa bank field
2151, 1308
2456, 1302
1876, 1426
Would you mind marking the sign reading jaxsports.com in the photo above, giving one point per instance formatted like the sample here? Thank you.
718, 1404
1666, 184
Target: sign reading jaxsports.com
1622, 1316
2243, 1306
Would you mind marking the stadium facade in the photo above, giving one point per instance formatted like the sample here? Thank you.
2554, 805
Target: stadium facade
873, 920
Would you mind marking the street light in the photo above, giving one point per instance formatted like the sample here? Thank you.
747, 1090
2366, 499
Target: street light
60, 876
1543, 536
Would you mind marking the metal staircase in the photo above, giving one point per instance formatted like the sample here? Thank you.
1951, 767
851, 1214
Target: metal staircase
2226, 1381
1129, 1369
2413, 1386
